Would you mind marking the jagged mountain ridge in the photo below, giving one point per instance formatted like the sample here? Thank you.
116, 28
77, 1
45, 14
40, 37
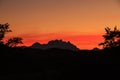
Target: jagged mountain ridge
55, 44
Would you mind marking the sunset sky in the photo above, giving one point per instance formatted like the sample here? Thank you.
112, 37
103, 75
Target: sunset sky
80, 21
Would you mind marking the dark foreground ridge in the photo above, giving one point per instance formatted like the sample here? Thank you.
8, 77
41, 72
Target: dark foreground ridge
57, 64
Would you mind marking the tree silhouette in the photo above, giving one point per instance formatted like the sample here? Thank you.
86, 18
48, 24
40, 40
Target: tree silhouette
13, 42
4, 28
111, 38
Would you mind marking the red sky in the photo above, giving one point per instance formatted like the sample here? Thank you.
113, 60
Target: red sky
80, 21
82, 41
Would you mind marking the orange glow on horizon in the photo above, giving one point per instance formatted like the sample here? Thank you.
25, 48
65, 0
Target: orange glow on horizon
81, 41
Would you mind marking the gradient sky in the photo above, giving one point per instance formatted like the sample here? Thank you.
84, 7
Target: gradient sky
80, 21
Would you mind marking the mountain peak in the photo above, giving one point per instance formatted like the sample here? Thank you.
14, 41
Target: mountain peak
55, 44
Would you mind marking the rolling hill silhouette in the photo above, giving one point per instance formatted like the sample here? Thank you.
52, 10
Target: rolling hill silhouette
55, 44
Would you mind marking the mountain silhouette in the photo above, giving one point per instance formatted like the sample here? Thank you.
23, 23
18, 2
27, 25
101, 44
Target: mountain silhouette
55, 44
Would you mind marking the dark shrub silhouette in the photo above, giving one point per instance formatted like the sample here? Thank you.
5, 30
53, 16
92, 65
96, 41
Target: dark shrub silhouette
13, 42
4, 28
111, 38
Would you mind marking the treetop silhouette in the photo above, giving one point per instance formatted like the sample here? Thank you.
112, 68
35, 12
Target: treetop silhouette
4, 28
13, 42
111, 38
